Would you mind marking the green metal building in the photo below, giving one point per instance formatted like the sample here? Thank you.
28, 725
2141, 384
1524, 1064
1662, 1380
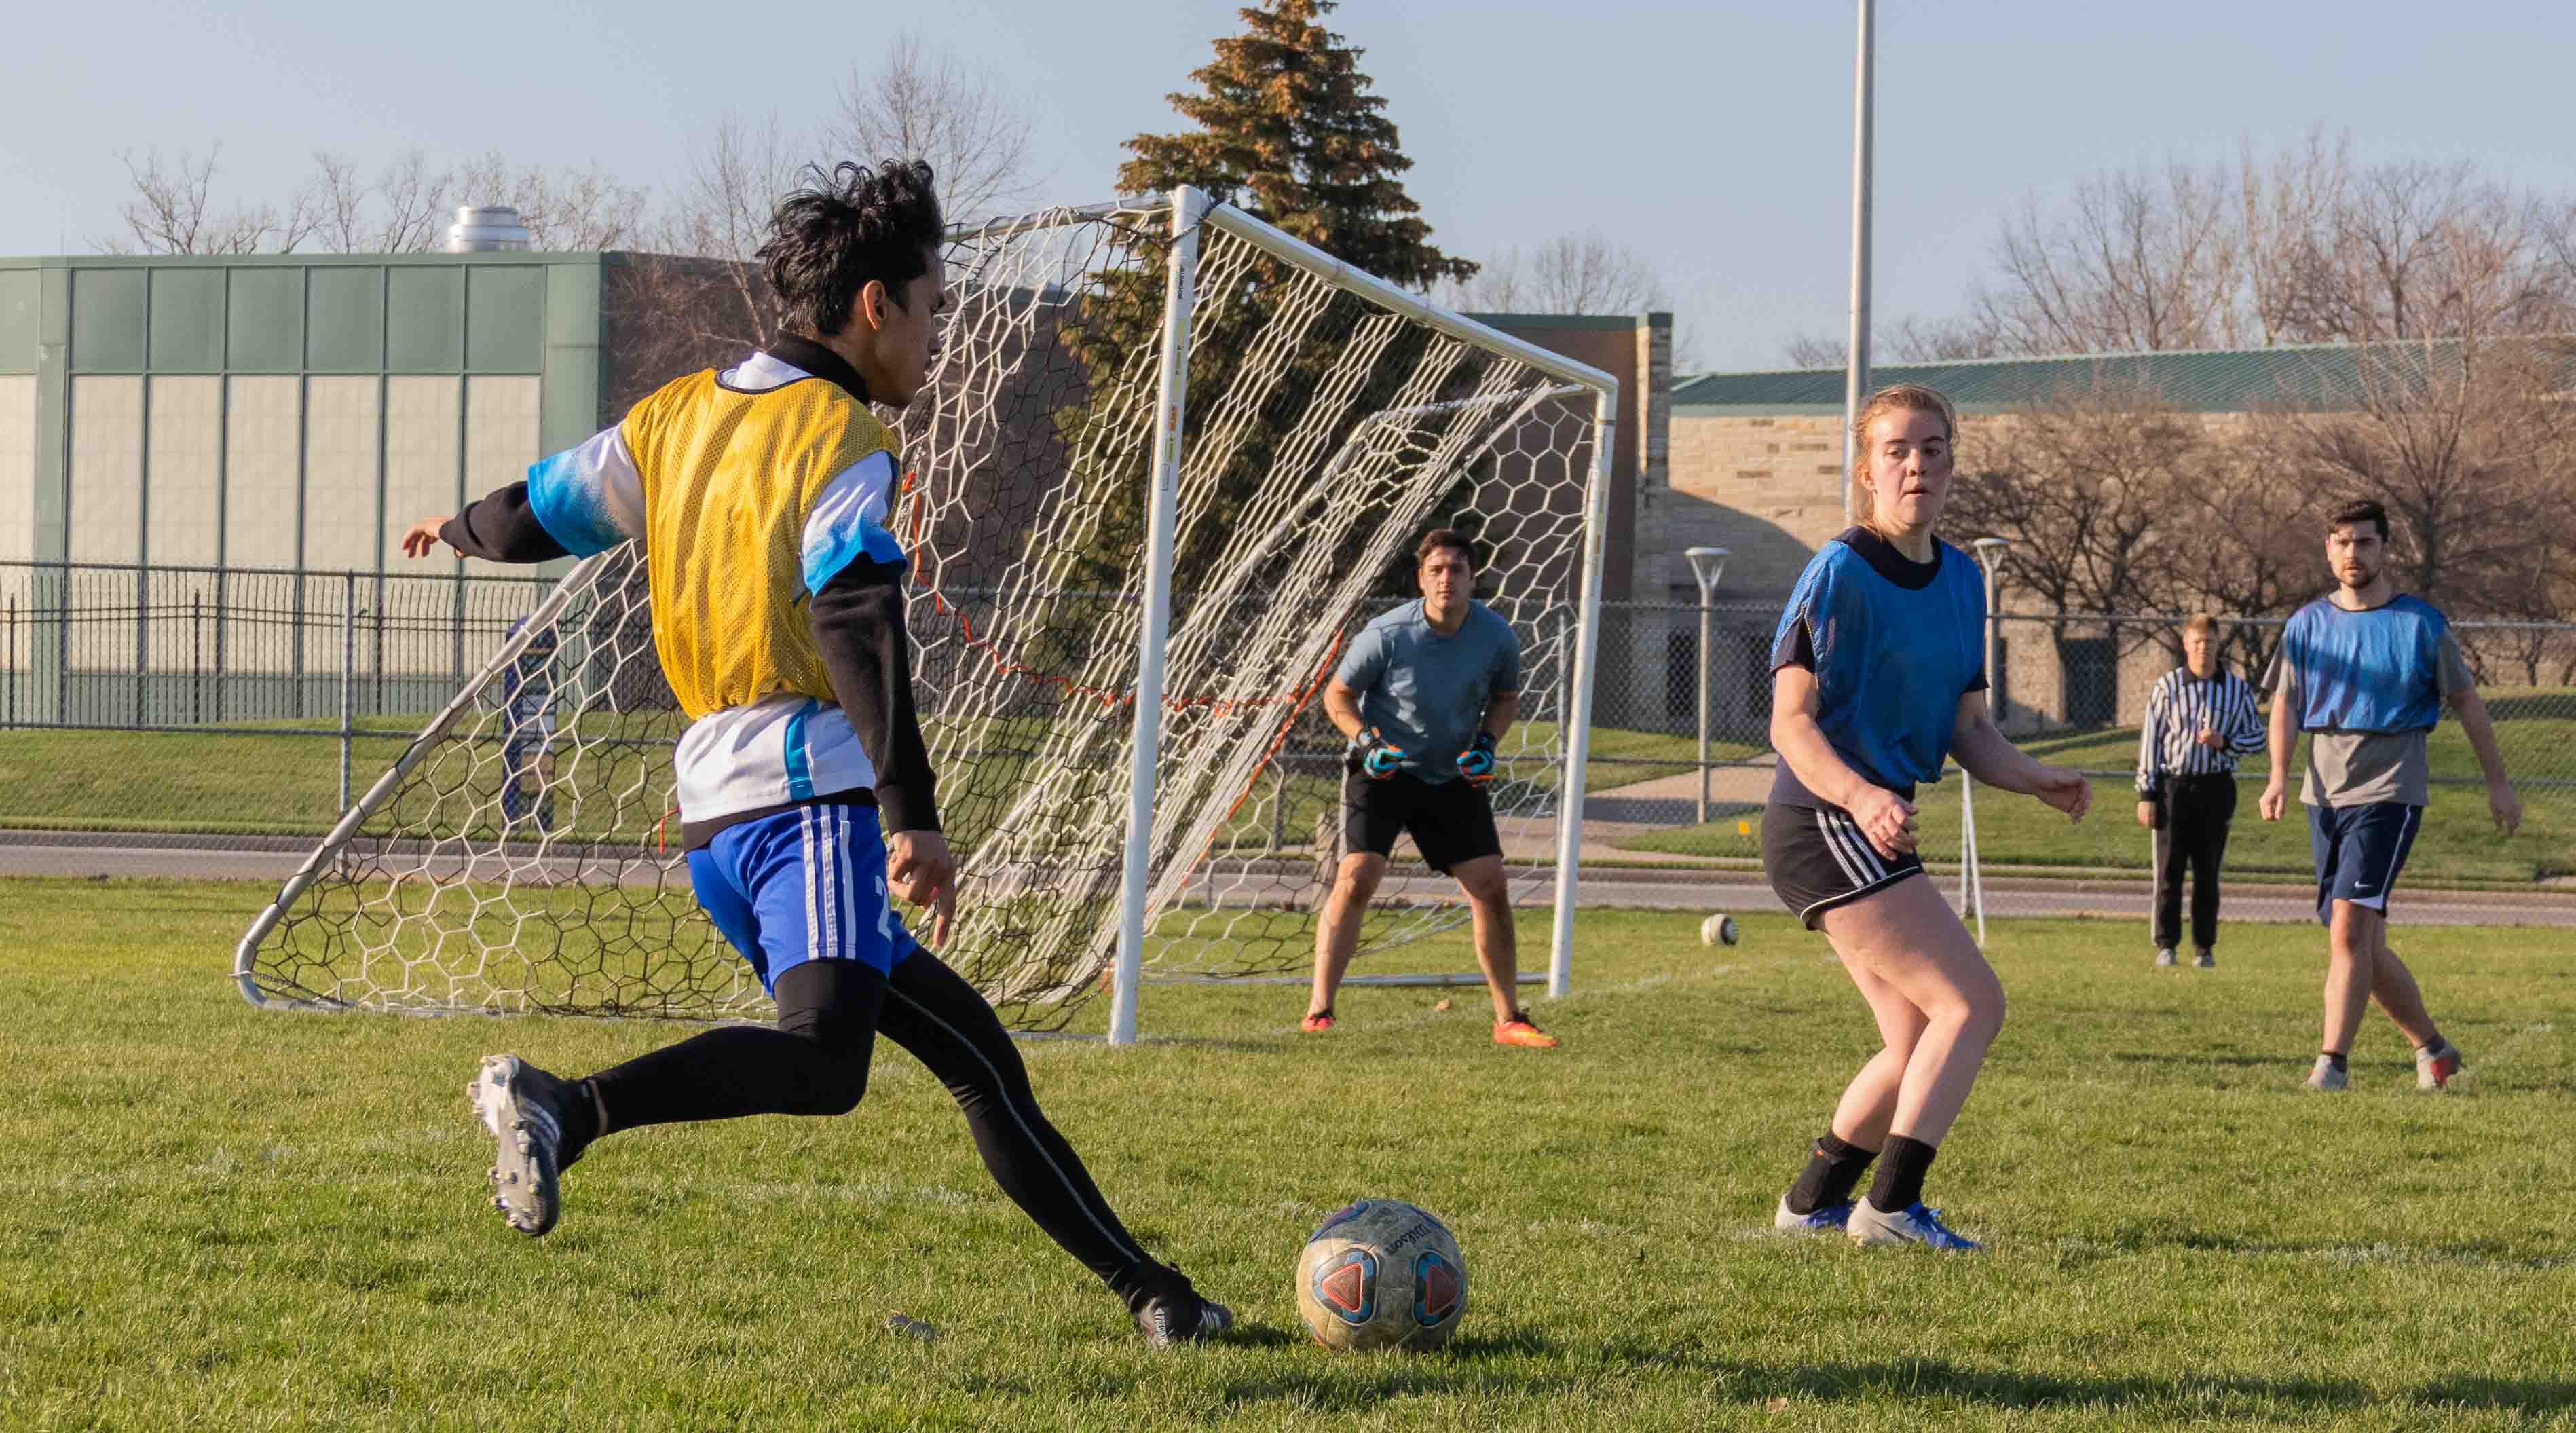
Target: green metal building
179, 434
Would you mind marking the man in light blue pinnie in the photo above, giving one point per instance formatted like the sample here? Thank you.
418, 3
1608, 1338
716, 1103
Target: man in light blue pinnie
2364, 672
1423, 695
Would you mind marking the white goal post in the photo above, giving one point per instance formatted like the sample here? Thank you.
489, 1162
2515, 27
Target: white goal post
1169, 460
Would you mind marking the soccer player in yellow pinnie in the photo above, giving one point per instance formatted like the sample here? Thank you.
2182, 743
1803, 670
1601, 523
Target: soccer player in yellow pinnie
760, 495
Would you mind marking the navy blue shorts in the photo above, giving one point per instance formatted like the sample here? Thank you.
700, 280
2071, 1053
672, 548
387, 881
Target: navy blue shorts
804, 884
2359, 851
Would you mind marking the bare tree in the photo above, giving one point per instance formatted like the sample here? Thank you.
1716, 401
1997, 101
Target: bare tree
701, 297
1913, 338
2462, 439
404, 211
1573, 273
928, 106
561, 208
2138, 259
171, 211
2083, 483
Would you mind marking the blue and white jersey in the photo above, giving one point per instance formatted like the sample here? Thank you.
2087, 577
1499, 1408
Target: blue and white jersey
776, 749
1894, 644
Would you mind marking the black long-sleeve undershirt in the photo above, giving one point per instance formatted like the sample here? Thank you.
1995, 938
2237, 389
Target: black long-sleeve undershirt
501, 527
858, 629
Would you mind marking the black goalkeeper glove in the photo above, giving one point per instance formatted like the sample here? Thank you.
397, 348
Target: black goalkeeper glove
1372, 757
1476, 763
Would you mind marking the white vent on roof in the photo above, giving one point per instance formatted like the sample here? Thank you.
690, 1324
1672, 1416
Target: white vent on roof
479, 230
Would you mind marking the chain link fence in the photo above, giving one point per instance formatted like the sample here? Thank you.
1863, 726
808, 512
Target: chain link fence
242, 708
2071, 689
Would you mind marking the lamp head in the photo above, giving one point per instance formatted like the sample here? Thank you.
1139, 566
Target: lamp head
1706, 565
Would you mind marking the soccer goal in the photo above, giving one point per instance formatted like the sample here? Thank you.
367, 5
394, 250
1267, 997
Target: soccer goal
1171, 459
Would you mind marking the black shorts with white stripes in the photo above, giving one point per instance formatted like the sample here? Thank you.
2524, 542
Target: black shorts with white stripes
1817, 859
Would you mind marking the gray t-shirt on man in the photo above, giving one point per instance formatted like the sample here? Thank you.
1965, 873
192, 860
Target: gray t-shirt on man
2358, 768
1427, 693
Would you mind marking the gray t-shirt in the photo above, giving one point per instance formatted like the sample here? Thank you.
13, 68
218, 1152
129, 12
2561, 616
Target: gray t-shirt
2359, 768
1427, 693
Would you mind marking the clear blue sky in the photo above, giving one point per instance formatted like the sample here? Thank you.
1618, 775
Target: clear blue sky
1714, 138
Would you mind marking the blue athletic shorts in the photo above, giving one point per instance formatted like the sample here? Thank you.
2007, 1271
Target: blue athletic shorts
2359, 851
806, 884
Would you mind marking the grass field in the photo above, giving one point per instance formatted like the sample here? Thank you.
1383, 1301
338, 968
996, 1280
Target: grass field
2537, 732
224, 1218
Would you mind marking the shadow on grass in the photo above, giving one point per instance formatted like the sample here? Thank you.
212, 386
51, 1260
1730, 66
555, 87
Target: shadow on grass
2203, 1057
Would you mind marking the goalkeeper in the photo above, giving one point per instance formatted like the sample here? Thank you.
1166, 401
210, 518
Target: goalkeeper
1423, 694
760, 496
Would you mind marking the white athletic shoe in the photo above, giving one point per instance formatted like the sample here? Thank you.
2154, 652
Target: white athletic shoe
2435, 1071
1915, 1224
2164, 955
1823, 1219
2326, 1077
522, 1107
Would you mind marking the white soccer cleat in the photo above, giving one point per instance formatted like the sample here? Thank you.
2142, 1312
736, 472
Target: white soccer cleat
1914, 1224
2435, 1071
1823, 1219
2164, 955
521, 1106
2326, 1077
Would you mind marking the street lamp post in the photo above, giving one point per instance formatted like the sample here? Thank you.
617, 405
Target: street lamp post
1706, 564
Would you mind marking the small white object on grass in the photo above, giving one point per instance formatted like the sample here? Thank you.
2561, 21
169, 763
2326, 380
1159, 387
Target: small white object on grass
1717, 930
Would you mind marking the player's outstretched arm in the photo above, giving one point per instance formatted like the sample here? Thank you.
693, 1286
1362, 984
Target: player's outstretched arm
500, 527
2502, 804
1986, 754
859, 631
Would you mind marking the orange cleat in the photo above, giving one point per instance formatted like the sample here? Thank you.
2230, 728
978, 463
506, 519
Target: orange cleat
1317, 1023
1519, 1031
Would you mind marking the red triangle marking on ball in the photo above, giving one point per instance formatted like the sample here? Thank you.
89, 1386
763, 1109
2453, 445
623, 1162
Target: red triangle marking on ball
1439, 1289
1343, 1287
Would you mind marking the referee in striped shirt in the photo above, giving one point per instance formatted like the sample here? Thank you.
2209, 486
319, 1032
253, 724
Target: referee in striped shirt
2199, 720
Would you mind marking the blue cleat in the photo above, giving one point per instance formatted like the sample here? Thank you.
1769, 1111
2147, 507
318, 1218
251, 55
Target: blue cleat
1823, 1219
1915, 1225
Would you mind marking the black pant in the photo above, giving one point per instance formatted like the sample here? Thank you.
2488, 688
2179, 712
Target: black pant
815, 1062
2192, 813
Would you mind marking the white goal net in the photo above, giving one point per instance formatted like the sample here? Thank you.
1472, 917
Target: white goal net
1130, 587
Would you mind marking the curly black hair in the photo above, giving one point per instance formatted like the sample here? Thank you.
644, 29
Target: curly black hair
843, 227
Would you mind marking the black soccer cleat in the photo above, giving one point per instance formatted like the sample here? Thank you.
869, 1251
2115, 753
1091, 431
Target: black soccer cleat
525, 1110
1182, 1317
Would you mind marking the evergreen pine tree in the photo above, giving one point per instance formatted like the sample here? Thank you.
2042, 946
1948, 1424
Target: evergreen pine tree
1289, 131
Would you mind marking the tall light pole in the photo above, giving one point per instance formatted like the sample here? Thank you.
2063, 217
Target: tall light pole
1856, 362
1706, 564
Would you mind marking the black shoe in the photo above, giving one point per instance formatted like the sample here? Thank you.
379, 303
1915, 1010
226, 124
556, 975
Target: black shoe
527, 1112
1182, 1317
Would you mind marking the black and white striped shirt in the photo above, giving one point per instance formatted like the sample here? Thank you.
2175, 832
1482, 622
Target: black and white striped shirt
2179, 710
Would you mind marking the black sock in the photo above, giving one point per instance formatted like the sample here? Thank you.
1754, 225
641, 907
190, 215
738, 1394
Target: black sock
1833, 1170
580, 1122
2335, 1058
1900, 1180
2436, 1047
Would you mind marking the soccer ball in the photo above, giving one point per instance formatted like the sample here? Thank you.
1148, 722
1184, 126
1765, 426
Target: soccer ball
1717, 930
1381, 1273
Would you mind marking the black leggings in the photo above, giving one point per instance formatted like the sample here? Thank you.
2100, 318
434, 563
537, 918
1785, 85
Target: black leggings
815, 1062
